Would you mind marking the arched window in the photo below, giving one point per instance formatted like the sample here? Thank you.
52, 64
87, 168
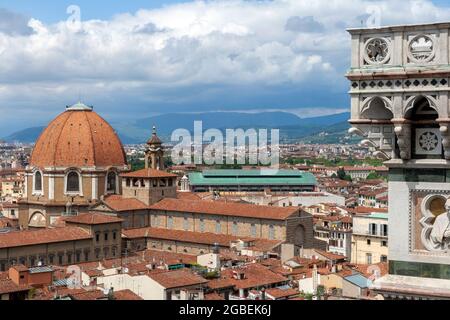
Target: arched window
111, 182
377, 109
73, 182
38, 181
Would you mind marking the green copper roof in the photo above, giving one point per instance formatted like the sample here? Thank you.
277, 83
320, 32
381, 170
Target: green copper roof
251, 177
379, 215
79, 107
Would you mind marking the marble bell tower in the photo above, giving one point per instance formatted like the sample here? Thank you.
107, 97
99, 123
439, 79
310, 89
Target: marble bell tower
400, 86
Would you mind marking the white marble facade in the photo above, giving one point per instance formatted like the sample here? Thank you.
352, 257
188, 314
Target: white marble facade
400, 85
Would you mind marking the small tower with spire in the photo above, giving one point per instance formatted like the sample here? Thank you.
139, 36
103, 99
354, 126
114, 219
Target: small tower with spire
185, 184
154, 155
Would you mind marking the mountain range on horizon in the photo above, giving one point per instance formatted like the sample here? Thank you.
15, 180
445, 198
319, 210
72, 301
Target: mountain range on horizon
291, 126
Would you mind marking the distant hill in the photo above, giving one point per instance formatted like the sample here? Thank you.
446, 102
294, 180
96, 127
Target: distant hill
28, 135
291, 126
334, 134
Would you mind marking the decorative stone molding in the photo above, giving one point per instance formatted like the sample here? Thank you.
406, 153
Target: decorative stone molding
445, 133
424, 222
403, 132
377, 136
377, 51
435, 224
421, 49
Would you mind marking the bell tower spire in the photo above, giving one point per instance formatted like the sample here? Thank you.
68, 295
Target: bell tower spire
154, 154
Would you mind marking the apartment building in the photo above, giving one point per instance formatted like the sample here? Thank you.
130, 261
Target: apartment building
370, 239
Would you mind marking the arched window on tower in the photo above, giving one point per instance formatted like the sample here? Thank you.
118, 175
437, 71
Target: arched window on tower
111, 182
38, 182
426, 138
73, 182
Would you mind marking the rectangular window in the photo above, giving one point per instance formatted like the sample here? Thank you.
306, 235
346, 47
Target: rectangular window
384, 243
106, 236
97, 237
369, 258
234, 229
369, 242
170, 222
384, 230
383, 259
86, 256
51, 259
78, 254
373, 229
253, 230
271, 232
114, 235
218, 227
60, 259
202, 225
69, 258
186, 224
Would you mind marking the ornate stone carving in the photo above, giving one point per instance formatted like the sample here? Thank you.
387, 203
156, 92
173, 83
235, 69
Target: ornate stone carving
436, 223
377, 51
403, 132
378, 138
428, 141
445, 133
421, 49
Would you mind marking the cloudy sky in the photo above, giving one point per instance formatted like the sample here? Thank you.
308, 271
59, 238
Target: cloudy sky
138, 58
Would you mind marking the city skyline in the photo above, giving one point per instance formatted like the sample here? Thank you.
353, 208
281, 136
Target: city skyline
148, 58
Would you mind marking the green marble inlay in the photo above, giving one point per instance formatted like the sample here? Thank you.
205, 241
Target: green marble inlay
419, 175
418, 269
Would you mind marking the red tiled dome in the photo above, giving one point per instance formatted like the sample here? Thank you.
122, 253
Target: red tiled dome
78, 137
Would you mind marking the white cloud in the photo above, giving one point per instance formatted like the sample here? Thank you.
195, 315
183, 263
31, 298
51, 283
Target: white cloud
181, 53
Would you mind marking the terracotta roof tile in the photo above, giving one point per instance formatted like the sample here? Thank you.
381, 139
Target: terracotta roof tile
216, 284
177, 279
119, 203
8, 286
256, 275
197, 237
126, 295
278, 293
88, 295
34, 237
78, 139
213, 297
149, 173
225, 209
329, 255
188, 196
93, 219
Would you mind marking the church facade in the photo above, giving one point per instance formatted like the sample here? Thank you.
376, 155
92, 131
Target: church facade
400, 87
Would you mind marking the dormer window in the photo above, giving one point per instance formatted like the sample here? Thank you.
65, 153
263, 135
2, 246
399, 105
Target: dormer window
73, 182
